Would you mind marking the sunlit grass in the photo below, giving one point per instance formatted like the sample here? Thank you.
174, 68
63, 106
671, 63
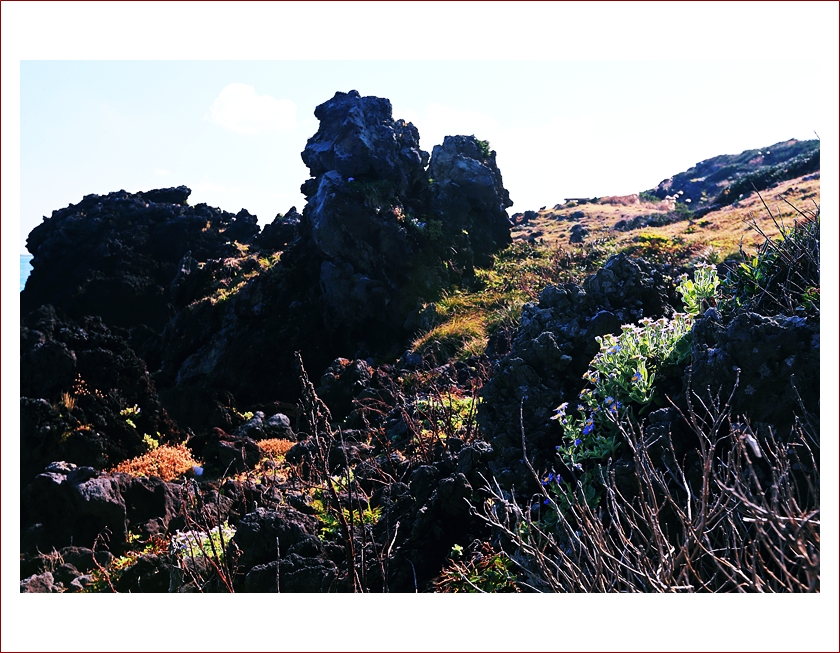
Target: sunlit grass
466, 317
688, 240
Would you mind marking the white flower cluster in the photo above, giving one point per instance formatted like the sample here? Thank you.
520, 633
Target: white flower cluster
190, 544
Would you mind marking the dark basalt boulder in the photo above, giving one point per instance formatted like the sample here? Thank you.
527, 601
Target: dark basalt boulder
40, 584
263, 533
225, 453
82, 559
368, 178
281, 231
342, 382
359, 138
260, 428
552, 349
150, 574
578, 234
69, 505
116, 255
469, 197
776, 361
383, 232
294, 573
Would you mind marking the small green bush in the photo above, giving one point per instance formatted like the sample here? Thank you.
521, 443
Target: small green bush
783, 276
622, 379
484, 146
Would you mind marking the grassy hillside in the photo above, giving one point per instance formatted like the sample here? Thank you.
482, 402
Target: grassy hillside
663, 231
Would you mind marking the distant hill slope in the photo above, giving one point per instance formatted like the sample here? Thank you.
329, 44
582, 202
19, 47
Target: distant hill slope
706, 212
723, 179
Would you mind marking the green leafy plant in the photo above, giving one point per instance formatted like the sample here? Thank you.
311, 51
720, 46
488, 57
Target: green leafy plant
701, 291
484, 146
328, 519
449, 414
622, 380
782, 276
486, 571
130, 414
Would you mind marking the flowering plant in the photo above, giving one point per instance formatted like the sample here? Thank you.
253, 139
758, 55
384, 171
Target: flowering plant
196, 544
621, 378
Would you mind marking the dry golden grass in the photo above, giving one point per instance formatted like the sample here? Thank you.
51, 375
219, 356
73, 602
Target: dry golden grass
723, 230
275, 448
68, 401
166, 462
461, 336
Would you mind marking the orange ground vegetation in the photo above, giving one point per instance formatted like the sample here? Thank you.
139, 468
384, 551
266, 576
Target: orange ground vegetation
167, 462
275, 447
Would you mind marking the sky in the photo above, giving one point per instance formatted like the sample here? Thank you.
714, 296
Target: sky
233, 131
577, 99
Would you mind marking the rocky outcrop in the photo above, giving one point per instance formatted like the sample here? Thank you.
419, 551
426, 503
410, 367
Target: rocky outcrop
67, 504
195, 306
721, 180
468, 196
552, 349
86, 397
116, 255
776, 361
216, 308
281, 231
381, 230
375, 240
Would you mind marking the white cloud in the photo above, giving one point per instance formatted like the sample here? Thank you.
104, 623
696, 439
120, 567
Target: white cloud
240, 109
161, 172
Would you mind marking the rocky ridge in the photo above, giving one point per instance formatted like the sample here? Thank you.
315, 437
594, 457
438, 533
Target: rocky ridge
195, 342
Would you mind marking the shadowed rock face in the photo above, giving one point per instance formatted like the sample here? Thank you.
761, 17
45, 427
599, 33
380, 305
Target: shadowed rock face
359, 138
382, 231
468, 191
551, 350
76, 377
116, 255
216, 308
368, 178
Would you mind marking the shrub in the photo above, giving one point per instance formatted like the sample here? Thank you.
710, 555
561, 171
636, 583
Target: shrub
275, 448
484, 146
166, 462
717, 521
622, 377
485, 571
447, 415
200, 543
699, 293
782, 276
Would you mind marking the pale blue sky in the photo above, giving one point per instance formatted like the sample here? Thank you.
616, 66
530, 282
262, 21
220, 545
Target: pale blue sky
568, 110
560, 129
